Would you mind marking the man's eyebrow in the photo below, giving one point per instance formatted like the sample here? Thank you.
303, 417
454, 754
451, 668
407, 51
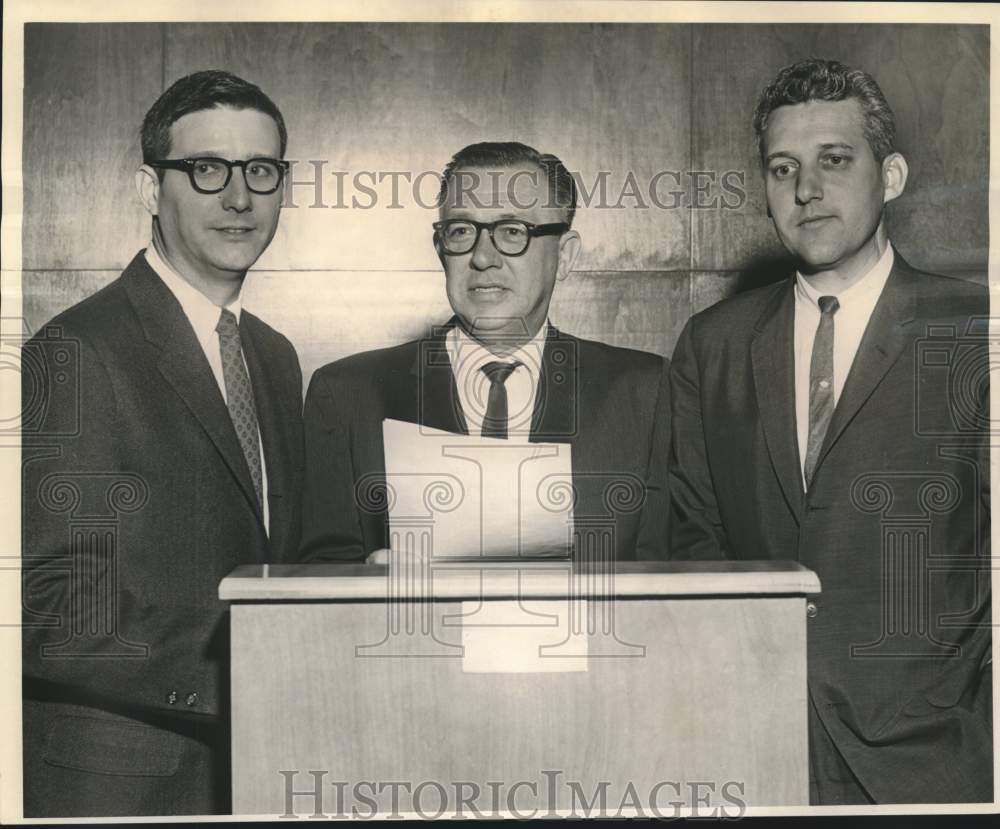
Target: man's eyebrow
220, 154
832, 145
776, 154
460, 213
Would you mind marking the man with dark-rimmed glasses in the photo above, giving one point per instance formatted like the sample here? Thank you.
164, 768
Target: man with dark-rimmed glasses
498, 369
185, 437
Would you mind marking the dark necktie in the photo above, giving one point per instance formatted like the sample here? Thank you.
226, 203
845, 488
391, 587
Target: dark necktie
495, 421
239, 398
821, 403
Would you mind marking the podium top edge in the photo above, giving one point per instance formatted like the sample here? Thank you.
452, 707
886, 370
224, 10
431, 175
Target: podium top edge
452, 581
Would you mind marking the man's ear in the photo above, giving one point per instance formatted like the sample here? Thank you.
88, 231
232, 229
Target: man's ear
569, 249
894, 172
147, 185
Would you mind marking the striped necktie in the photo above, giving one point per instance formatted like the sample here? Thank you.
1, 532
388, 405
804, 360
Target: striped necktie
495, 421
821, 401
239, 397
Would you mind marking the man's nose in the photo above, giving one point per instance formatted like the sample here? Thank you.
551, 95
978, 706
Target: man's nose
808, 186
236, 196
484, 254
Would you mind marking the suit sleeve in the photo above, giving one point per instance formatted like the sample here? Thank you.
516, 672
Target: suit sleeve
74, 565
652, 542
983, 699
696, 526
60, 448
947, 721
331, 527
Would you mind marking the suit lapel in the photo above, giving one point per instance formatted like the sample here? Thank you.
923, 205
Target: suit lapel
772, 354
265, 392
554, 414
884, 340
437, 396
273, 437
183, 365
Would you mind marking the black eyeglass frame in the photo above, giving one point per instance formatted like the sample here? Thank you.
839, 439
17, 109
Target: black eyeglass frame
533, 230
186, 165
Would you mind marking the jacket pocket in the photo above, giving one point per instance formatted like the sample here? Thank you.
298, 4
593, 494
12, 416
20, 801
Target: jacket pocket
118, 747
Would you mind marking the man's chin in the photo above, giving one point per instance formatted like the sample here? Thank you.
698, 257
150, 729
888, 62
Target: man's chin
235, 266
813, 261
486, 325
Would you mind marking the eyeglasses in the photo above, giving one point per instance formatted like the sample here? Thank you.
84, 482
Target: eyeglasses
509, 236
212, 175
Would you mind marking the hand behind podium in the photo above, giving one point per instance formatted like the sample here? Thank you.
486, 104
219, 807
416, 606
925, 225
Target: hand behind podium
378, 557
384, 556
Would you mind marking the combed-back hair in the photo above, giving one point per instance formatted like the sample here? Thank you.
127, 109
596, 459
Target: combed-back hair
198, 91
828, 80
493, 155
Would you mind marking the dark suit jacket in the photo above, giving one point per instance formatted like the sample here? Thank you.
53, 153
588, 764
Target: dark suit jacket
137, 501
902, 481
611, 404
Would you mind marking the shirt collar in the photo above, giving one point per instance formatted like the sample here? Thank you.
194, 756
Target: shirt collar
202, 313
865, 290
469, 355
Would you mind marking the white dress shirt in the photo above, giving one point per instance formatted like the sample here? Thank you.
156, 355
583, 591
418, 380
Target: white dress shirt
467, 359
857, 304
203, 314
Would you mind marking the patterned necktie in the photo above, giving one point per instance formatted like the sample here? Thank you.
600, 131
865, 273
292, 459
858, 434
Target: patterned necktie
821, 403
239, 396
495, 421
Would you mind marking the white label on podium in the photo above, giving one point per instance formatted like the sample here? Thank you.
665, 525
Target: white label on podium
532, 636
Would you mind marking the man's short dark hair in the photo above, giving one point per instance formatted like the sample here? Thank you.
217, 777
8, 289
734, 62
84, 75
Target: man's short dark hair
492, 155
196, 92
827, 80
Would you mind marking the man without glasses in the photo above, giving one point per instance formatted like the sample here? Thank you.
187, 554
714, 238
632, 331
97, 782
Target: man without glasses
498, 369
808, 425
187, 437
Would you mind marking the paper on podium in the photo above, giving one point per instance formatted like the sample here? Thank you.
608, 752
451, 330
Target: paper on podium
464, 496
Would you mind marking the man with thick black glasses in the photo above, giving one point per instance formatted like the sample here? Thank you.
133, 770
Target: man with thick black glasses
185, 435
498, 369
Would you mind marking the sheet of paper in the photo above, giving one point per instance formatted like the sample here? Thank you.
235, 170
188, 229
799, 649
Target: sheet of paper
463, 496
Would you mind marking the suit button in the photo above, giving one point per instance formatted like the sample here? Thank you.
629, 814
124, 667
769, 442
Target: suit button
171, 698
191, 699
811, 610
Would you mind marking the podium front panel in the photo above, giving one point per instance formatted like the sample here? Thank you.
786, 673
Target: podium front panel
693, 700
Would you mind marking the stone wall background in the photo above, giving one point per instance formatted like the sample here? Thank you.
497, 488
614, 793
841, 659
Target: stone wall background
629, 100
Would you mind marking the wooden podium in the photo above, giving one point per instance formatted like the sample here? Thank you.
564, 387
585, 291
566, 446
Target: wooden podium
542, 687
